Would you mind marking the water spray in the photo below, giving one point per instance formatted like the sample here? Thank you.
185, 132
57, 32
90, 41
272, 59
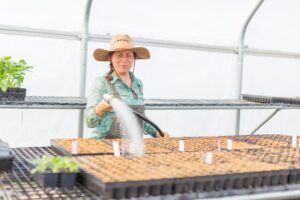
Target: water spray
108, 98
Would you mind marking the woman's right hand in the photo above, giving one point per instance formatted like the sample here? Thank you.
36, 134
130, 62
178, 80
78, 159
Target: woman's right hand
102, 107
165, 134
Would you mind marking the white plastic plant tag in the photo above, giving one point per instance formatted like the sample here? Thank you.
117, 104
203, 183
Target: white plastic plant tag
229, 144
208, 158
219, 145
74, 147
294, 141
116, 148
181, 145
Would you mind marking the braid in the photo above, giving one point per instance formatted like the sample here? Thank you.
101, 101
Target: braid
108, 76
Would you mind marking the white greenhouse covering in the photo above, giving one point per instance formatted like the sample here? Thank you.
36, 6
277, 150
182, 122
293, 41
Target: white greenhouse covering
173, 72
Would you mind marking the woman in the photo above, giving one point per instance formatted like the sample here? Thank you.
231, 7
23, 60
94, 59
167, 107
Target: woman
120, 83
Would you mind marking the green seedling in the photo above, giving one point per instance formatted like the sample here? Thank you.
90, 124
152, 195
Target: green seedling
54, 164
12, 73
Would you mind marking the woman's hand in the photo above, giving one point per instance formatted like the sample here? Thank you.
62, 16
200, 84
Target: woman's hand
165, 135
102, 107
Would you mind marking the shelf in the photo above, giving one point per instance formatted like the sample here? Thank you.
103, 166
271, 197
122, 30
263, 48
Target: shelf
53, 102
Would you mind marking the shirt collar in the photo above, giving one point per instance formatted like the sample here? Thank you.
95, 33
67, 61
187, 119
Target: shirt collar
115, 77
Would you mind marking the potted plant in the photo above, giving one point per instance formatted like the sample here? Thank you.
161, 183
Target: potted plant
53, 171
68, 169
11, 78
44, 171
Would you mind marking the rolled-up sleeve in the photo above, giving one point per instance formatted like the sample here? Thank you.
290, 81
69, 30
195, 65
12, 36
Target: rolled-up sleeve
95, 96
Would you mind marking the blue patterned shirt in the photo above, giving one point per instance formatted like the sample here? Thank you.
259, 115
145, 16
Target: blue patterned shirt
102, 124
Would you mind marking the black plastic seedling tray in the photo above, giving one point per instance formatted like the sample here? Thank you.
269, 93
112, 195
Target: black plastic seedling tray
228, 182
59, 150
270, 99
129, 189
294, 176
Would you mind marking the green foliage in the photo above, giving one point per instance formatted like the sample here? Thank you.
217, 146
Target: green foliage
54, 164
12, 73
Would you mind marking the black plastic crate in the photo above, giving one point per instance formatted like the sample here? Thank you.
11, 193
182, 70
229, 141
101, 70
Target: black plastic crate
6, 162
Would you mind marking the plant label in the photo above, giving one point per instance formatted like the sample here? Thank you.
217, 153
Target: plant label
181, 145
74, 147
294, 141
229, 144
116, 148
208, 158
219, 145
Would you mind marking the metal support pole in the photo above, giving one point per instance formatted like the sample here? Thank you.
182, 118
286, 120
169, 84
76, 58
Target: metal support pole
239, 70
84, 46
265, 121
68, 35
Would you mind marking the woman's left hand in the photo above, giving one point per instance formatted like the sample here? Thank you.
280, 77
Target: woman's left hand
165, 135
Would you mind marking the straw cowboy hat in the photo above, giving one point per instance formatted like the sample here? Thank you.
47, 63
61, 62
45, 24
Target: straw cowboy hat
119, 43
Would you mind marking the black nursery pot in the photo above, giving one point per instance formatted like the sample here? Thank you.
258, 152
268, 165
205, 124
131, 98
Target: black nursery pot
68, 179
46, 179
3, 95
13, 94
16, 94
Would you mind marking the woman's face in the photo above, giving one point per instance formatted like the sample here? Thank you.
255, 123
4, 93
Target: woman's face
122, 61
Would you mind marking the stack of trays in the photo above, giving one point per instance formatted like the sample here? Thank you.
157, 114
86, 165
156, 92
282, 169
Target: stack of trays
6, 157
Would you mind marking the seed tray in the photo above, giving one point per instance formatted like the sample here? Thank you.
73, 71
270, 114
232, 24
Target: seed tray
151, 145
127, 189
189, 144
87, 146
286, 100
156, 145
160, 174
289, 157
257, 98
269, 99
273, 141
207, 143
167, 145
236, 144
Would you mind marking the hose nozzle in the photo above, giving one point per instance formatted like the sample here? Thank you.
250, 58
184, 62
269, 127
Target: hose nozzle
107, 97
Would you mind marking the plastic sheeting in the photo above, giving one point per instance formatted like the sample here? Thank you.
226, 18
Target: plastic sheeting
171, 73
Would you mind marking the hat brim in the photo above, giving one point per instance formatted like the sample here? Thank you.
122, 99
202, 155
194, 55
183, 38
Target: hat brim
103, 55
